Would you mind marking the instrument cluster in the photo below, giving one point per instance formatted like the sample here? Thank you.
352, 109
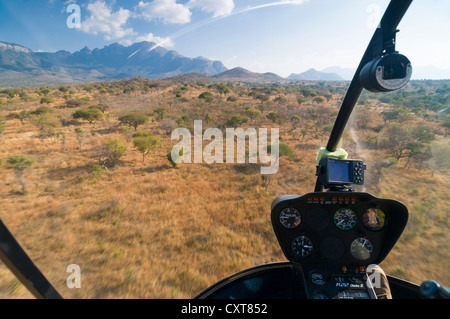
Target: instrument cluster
337, 228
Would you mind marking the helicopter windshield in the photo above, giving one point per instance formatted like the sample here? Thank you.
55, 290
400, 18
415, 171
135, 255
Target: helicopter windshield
143, 142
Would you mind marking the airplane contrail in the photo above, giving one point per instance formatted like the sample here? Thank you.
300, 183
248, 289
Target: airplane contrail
213, 19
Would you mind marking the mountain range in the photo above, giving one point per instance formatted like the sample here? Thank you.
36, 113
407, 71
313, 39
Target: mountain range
20, 66
314, 75
115, 61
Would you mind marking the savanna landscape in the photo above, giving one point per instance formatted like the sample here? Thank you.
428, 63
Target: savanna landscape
85, 178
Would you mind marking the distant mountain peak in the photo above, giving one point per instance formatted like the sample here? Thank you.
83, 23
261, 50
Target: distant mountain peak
5, 46
112, 62
314, 75
241, 74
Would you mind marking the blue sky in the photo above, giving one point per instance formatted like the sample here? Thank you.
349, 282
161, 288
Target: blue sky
280, 36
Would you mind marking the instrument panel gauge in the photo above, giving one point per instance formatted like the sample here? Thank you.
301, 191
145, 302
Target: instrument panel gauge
321, 295
345, 219
361, 248
302, 246
374, 219
318, 279
290, 218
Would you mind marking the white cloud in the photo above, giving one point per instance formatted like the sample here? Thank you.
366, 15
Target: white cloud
218, 7
103, 21
166, 10
165, 42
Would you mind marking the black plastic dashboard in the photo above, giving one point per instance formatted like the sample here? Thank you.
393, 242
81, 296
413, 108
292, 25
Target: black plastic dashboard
333, 238
337, 228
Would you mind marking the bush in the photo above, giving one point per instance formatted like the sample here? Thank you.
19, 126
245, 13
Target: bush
90, 115
47, 100
113, 150
237, 120
174, 161
284, 150
207, 96
134, 119
145, 143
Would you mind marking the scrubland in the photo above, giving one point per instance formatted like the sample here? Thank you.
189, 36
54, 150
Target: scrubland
149, 230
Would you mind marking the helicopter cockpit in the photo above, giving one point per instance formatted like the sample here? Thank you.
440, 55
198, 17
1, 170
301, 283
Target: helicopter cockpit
333, 239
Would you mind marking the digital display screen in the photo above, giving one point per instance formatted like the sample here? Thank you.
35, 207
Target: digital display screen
339, 171
353, 294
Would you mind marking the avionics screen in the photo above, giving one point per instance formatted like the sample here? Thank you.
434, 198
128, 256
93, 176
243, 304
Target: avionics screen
339, 171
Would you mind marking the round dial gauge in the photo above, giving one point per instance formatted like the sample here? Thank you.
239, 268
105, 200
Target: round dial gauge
361, 248
290, 218
374, 219
321, 295
345, 219
302, 246
318, 279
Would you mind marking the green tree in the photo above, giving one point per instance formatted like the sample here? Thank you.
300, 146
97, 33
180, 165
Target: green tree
392, 115
415, 151
252, 113
396, 138
295, 121
174, 161
423, 133
222, 88
134, 119
274, 117
318, 100
300, 100
101, 107
19, 163
160, 113
79, 132
22, 115
44, 122
47, 100
280, 99
208, 118
89, 115
285, 150
112, 150
145, 143
236, 120
207, 96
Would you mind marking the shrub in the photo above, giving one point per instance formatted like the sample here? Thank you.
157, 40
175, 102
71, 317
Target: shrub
145, 143
89, 115
174, 161
134, 119
47, 100
19, 163
113, 149
237, 120
207, 96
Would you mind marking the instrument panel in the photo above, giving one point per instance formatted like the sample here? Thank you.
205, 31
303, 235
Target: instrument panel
337, 228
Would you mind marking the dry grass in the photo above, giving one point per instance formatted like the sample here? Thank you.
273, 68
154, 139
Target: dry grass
152, 231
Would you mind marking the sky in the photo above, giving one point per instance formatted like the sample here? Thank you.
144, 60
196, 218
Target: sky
279, 36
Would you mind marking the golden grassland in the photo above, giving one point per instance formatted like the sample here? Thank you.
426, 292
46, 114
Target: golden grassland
147, 230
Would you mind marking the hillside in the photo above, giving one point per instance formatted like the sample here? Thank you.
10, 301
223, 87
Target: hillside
21, 66
314, 75
140, 228
241, 74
